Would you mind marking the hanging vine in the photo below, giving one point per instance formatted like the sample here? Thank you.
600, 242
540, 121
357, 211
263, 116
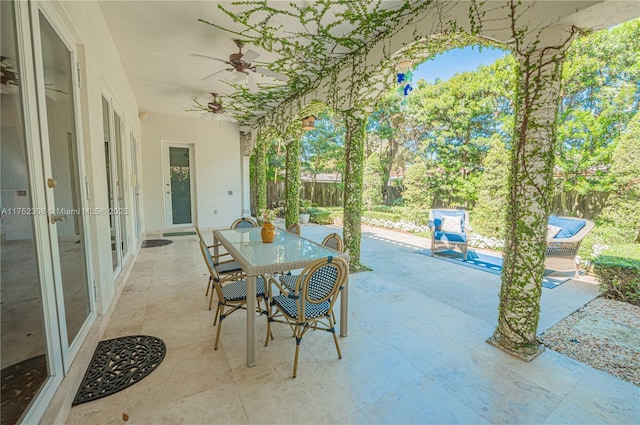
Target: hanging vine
342, 52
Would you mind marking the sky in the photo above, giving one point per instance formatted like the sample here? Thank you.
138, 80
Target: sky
444, 66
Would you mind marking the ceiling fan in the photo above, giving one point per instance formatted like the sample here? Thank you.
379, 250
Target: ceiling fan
213, 109
241, 63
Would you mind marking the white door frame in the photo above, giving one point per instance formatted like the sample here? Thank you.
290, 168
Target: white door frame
69, 351
59, 352
166, 188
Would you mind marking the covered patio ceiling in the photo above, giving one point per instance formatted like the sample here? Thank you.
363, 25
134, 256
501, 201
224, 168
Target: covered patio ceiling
305, 41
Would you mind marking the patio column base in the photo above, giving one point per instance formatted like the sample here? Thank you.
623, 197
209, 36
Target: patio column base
527, 354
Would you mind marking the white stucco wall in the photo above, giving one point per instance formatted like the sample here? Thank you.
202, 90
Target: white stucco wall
217, 170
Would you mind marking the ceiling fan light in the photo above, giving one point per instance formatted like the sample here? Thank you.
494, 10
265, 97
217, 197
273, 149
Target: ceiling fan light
309, 123
241, 78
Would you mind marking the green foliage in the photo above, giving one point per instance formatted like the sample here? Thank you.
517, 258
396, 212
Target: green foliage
322, 149
323, 215
372, 181
292, 204
418, 194
454, 121
491, 208
382, 215
620, 276
600, 94
623, 205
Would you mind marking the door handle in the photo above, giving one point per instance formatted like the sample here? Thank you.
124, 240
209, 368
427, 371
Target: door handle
54, 218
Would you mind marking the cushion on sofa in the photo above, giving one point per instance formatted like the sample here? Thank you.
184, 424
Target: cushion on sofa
552, 231
569, 226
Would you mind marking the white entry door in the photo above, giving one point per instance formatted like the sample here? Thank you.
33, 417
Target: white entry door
179, 184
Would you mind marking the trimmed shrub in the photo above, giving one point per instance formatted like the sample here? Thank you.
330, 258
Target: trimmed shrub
322, 216
619, 275
382, 215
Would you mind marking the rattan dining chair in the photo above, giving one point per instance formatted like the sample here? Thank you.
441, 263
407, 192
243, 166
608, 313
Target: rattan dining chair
310, 304
244, 223
232, 293
223, 272
294, 228
332, 241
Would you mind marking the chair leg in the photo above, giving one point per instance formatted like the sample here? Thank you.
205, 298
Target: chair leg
211, 299
215, 318
215, 347
208, 287
335, 338
266, 341
295, 360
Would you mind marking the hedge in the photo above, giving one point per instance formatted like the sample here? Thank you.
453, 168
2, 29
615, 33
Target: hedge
619, 275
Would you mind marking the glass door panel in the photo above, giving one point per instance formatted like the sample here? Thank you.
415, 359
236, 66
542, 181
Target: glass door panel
180, 174
120, 207
23, 356
106, 129
64, 194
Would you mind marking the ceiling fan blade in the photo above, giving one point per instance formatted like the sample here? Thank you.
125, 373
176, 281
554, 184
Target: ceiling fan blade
215, 73
249, 56
272, 74
251, 83
212, 58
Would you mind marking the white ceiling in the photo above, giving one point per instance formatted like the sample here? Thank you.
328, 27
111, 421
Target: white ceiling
155, 40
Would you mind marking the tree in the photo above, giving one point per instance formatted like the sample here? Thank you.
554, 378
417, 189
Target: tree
454, 120
489, 212
372, 181
600, 95
322, 149
418, 193
623, 205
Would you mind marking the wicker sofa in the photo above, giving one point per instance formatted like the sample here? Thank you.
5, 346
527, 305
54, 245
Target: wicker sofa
562, 249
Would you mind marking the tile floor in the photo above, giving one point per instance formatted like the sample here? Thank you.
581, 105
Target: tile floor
415, 353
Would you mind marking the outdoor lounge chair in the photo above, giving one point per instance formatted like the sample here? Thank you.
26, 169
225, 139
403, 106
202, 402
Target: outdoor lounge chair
564, 237
310, 304
449, 230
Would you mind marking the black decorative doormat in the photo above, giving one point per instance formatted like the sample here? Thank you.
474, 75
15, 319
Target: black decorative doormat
153, 243
20, 383
119, 363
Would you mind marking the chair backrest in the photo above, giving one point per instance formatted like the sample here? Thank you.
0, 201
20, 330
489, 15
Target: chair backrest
333, 241
213, 272
244, 222
436, 217
320, 282
294, 228
199, 234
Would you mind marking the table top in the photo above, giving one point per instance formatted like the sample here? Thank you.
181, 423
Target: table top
287, 251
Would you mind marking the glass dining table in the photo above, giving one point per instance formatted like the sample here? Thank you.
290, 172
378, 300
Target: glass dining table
287, 252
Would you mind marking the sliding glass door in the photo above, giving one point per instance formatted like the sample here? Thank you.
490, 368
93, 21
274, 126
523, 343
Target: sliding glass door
47, 301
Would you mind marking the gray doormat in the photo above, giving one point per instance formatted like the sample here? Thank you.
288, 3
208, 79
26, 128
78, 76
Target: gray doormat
119, 363
178, 234
153, 243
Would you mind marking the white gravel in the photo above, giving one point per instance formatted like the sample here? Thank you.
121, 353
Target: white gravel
604, 334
